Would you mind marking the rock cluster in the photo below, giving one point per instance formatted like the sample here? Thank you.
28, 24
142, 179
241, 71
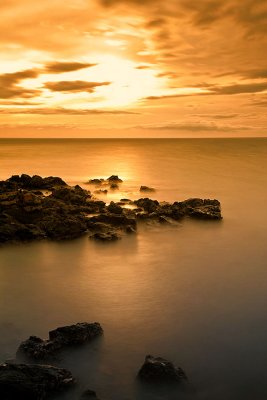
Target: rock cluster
38, 381
34, 208
39, 349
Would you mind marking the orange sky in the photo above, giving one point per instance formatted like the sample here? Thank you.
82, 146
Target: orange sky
147, 68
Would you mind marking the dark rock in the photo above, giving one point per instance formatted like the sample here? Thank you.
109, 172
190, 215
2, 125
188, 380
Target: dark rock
158, 369
38, 349
60, 227
146, 189
32, 382
147, 204
96, 182
76, 334
109, 236
114, 208
115, 220
114, 179
74, 195
36, 182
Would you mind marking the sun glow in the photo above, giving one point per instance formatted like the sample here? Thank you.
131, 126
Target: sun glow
127, 83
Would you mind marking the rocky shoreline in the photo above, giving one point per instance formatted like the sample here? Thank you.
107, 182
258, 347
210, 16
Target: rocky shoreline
35, 208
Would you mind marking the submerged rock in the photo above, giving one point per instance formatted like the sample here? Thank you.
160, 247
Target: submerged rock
32, 382
158, 369
37, 348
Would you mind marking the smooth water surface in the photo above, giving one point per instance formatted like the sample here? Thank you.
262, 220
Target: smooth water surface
195, 293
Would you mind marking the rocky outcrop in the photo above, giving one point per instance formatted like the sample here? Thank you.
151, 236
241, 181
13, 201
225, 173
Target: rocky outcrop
65, 212
32, 382
157, 369
39, 349
36, 182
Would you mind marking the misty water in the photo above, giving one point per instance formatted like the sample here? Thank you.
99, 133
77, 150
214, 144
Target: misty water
194, 293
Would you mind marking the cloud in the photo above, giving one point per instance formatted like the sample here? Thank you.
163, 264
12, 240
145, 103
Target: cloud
240, 88
61, 111
74, 86
9, 84
66, 66
194, 127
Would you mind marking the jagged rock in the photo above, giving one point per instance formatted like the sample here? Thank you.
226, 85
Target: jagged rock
147, 204
96, 182
38, 349
73, 195
146, 189
32, 382
36, 182
114, 179
76, 334
114, 208
158, 369
60, 227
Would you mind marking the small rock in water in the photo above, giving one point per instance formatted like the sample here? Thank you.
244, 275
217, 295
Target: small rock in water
32, 382
158, 369
96, 181
37, 348
146, 189
114, 179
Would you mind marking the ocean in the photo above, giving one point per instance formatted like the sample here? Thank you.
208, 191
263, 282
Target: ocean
194, 293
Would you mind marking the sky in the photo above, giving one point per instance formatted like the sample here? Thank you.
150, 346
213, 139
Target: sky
136, 68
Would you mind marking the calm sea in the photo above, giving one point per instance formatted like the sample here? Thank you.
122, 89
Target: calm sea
195, 293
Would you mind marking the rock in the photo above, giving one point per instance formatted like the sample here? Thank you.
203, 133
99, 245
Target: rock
32, 382
74, 195
89, 394
61, 227
114, 208
36, 182
158, 369
109, 236
146, 189
96, 182
76, 334
38, 349
114, 179
206, 212
114, 220
147, 204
